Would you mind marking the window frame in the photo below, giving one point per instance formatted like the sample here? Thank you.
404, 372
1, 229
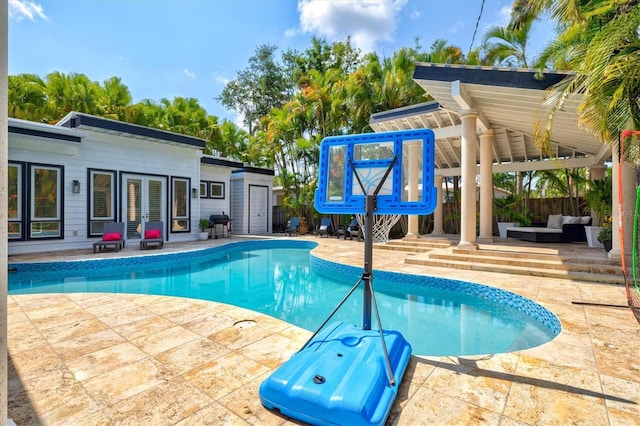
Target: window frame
59, 213
91, 219
186, 218
204, 189
20, 218
221, 185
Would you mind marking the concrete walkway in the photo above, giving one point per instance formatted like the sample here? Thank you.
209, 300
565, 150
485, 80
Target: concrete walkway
102, 359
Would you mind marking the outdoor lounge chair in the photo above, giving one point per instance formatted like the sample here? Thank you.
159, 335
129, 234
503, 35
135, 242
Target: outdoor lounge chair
153, 234
292, 226
351, 230
112, 236
325, 227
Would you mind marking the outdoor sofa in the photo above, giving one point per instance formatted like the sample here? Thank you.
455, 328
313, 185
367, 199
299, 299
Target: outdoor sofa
557, 229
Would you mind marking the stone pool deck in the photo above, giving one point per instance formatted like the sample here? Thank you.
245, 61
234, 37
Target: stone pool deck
107, 359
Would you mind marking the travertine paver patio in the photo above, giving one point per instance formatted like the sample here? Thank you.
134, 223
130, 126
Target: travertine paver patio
101, 359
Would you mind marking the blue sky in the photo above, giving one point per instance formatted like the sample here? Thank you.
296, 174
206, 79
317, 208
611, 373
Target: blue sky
191, 48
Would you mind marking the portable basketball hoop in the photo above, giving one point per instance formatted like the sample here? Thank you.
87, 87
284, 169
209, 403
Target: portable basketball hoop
342, 375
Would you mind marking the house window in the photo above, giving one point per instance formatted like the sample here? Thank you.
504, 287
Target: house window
102, 207
46, 201
216, 189
203, 190
181, 204
15, 202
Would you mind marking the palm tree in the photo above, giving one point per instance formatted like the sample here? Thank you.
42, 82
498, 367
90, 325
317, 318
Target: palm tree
27, 97
599, 42
507, 46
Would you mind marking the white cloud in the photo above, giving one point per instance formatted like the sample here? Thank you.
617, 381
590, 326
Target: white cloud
189, 74
20, 9
367, 22
504, 16
459, 25
219, 79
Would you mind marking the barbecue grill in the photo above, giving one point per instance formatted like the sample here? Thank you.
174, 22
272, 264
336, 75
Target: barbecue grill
219, 222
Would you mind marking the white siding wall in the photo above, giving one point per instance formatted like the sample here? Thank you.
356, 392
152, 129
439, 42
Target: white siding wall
108, 152
209, 206
238, 195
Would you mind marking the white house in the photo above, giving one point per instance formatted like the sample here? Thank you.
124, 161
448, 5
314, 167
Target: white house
67, 180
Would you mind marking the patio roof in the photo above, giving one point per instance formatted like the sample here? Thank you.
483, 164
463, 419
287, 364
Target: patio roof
506, 101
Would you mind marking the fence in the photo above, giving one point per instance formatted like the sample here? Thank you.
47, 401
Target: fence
539, 210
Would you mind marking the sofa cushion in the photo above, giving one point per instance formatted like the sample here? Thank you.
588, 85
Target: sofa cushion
570, 219
585, 220
554, 221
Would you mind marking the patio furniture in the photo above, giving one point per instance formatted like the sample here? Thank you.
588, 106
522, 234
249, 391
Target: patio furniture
292, 226
352, 230
153, 235
557, 229
112, 236
325, 227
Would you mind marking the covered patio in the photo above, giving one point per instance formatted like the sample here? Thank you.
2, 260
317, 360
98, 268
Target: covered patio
483, 120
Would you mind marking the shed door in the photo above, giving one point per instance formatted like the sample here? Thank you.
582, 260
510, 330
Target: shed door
258, 208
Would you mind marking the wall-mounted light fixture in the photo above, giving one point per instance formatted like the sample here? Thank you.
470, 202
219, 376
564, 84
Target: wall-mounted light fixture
75, 187
194, 193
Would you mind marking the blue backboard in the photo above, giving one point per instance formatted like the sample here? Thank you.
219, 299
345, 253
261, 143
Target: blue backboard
408, 189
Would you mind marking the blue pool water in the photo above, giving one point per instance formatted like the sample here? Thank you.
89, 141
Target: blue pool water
281, 279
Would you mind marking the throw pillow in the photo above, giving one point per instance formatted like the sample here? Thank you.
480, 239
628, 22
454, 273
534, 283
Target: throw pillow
554, 221
584, 220
111, 236
151, 234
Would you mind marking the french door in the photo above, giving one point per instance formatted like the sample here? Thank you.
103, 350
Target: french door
145, 200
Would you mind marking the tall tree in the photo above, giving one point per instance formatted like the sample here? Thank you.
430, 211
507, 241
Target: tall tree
263, 85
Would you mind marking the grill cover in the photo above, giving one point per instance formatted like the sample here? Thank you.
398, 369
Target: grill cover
219, 219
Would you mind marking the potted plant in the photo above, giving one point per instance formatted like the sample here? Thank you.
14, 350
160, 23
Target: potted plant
605, 234
506, 211
203, 224
598, 199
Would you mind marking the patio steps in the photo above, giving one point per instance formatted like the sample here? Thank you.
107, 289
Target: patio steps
414, 245
510, 261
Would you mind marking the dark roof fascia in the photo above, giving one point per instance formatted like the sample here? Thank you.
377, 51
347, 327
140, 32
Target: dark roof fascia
503, 77
409, 111
221, 162
78, 119
44, 134
256, 170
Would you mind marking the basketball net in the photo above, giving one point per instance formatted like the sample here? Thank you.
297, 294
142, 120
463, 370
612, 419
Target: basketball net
382, 224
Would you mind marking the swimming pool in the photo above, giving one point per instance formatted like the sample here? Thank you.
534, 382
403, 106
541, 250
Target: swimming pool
281, 279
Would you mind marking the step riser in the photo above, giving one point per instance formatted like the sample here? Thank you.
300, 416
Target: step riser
503, 261
609, 277
507, 254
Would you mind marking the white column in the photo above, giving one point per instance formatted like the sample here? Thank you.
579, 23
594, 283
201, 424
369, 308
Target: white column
413, 230
438, 216
4, 156
486, 187
468, 191
624, 214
